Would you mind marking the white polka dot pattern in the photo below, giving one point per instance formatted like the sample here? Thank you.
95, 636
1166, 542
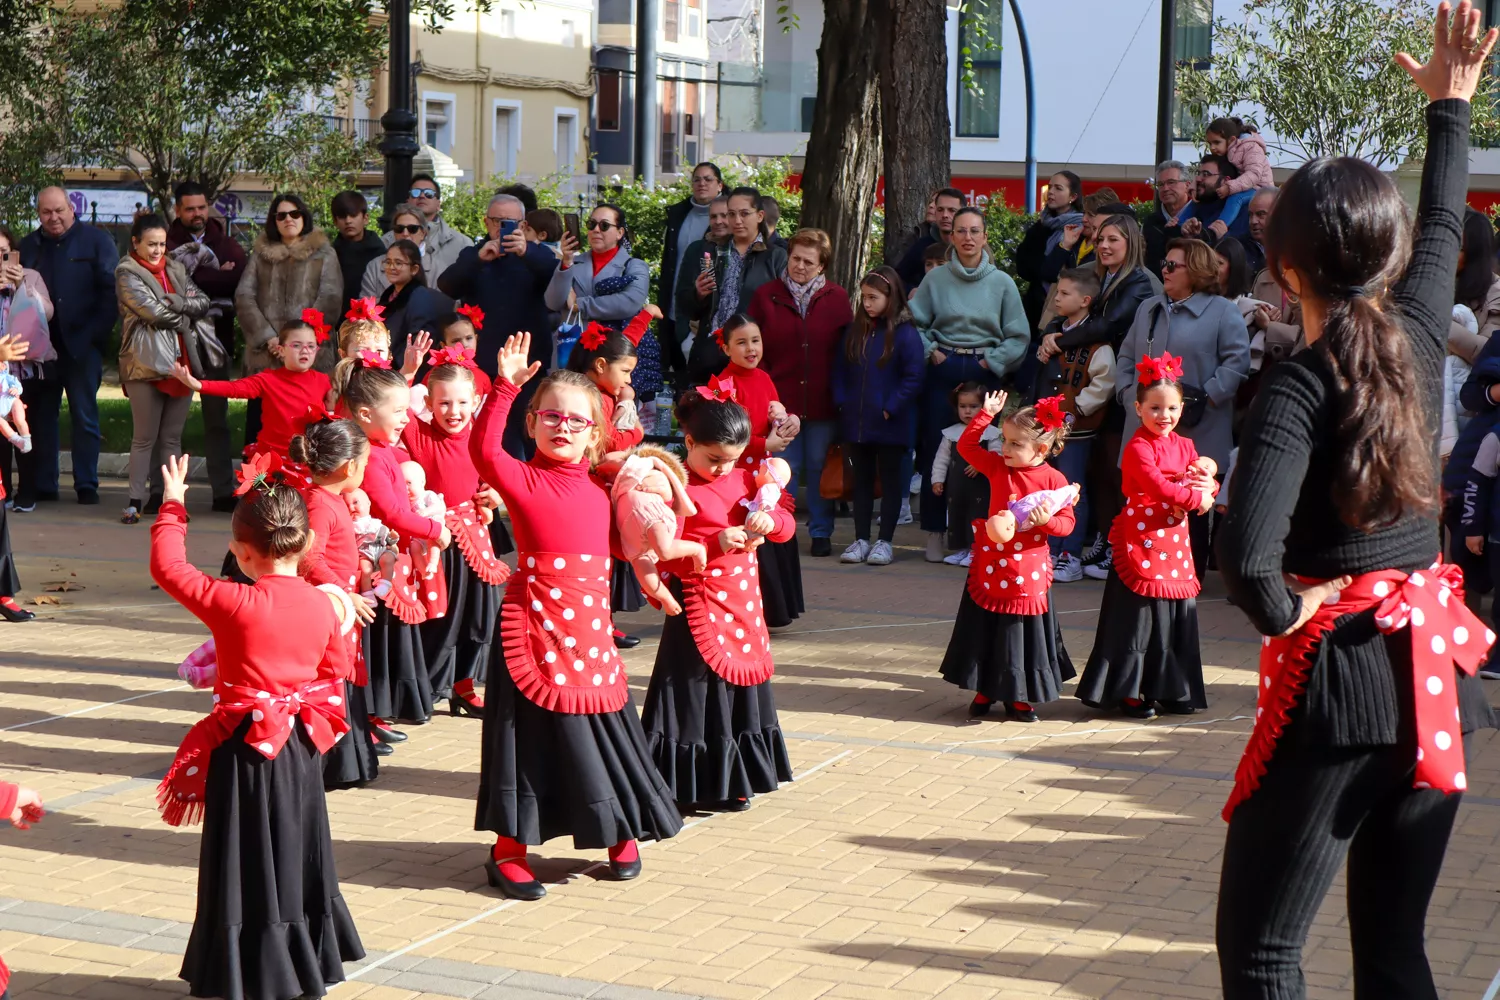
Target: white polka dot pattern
730, 635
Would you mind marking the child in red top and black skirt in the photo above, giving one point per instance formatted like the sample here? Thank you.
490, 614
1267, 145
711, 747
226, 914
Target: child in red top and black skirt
271, 922
1006, 646
562, 751
1146, 653
709, 712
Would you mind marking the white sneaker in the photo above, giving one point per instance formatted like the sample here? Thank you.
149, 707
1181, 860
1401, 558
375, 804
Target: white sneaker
957, 558
880, 554
1100, 570
1067, 569
905, 517
1490, 673
857, 552
916, 483
968, 558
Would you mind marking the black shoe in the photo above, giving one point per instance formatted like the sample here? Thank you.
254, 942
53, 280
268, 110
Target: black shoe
624, 871
822, 547
1017, 715
87, 497
1141, 711
49, 496
734, 805
524, 891
978, 709
225, 505
153, 505
623, 641
387, 735
16, 614
1177, 707
20, 506
383, 750
462, 707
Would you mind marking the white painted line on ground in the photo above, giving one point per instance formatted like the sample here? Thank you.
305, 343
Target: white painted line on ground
1494, 989
1091, 732
94, 708
818, 767
74, 609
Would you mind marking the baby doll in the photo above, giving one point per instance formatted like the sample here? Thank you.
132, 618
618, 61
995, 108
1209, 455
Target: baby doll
12, 411
201, 668
376, 544
1002, 527
649, 494
770, 479
424, 503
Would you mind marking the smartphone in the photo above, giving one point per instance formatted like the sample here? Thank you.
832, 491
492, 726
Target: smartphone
570, 224
507, 227
12, 257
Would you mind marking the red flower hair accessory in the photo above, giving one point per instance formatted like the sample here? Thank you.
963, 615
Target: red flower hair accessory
1163, 369
473, 314
719, 339
720, 390
314, 319
593, 337
1050, 413
366, 308
255, 474
369, 359
453, 354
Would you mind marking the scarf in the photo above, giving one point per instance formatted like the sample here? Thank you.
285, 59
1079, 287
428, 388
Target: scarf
158, 271
803, 294
729, 287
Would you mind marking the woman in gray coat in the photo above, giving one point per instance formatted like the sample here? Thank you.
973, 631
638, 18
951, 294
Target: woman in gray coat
1191, 320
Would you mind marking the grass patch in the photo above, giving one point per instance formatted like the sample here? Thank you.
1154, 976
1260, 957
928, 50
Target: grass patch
116, 426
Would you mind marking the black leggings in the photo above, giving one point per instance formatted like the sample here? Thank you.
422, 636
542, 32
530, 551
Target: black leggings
1316, 805
867, 458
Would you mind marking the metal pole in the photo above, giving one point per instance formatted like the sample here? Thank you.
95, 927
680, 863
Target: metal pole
647, 16
1015, 8
398, 144
1166, 83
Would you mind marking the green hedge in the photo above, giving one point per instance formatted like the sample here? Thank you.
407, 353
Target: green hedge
115, 426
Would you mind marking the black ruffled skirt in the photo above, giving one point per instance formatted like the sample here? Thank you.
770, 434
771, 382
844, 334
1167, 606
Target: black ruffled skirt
1007, 657
399, 687
500, 537
10, 582
545, 774
712, 740
780, 581
457, 645
625, 595
271, 923
351, 762
1146, 648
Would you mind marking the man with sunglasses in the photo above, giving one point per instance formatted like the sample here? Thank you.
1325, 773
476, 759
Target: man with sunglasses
443, 242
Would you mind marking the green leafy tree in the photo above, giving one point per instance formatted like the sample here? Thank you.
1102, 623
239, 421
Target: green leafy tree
1318, 76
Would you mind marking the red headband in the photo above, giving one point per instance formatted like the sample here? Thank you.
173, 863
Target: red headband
1163, 369
366, 308
473, 314
369, 359
1050, 414
255, 474
314, 319
720, 390
593, 337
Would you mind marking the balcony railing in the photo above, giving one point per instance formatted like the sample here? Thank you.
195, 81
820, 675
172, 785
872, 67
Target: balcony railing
365, 129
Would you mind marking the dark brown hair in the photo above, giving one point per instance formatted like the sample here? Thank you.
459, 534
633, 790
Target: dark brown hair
1141, 388
328, 444
1341, 224
966, 389
272, 521
1026, 419
887, 282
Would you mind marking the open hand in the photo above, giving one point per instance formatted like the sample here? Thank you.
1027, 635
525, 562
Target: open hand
1459, 53
1313, 595
511, 361
174, 475
416, 352
364, 608
181, 373
994, 402
12, 348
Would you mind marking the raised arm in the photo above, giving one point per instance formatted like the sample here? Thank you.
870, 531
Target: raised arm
971, 444
486, 445
179, 579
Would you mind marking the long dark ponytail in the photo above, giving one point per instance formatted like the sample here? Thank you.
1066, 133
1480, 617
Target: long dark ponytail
1342, 226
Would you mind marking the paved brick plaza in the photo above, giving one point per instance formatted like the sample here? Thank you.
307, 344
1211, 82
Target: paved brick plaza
919, 855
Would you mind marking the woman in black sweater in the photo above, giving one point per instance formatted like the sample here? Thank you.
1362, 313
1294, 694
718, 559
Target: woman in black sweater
1353, 752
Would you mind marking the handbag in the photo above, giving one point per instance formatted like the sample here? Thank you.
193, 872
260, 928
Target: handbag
837, 479
205, 353
1194, 399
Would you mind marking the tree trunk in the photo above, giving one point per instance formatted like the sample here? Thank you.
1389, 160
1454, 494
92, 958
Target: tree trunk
843, 149
914, 117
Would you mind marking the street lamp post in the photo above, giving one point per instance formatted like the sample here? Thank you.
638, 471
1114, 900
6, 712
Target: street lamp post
647, 17
398, 143
1166, 81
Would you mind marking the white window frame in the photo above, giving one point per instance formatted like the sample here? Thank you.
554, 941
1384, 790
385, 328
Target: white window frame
570, 39
508, 27
571, 114
514, 107
452, 133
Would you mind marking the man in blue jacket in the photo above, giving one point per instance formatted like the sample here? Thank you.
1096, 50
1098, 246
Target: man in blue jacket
506, 278
77, 264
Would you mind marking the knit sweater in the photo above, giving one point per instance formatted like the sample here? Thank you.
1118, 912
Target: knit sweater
979, 308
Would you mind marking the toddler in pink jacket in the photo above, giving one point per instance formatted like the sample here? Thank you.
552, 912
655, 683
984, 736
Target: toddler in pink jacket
1245, 148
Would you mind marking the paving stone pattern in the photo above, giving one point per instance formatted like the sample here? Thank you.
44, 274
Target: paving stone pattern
918, 855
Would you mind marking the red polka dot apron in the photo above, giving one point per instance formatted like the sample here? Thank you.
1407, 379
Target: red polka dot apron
1152, 553
432, 591
472, 536
404, 600
1013, 578
557, 636
1444, 634
727, 620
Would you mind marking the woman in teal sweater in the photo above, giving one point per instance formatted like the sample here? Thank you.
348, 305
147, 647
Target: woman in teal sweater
973, 328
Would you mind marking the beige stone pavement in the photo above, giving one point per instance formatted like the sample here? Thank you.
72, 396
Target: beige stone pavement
918, 855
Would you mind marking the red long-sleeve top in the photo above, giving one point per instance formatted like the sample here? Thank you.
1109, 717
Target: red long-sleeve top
616, 439
554, 507
1151, 462
276, 636
389, 501
718, 503
1006, 483
754, 390
444, 457
285, 397
333, 556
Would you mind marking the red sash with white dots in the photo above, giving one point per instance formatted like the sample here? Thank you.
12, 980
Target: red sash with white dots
725, 615
1014, 578
1444, 634
557, 636
472, 536
1152, 553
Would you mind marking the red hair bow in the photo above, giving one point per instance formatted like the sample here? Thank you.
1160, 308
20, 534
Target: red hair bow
370, 359
720, 390
316, 413
593, 337
1050, 413
473, 314
314, 319
1163, 369
366, 308
453, 354
255, 474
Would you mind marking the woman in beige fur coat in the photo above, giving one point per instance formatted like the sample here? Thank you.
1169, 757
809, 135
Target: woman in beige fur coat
292, 267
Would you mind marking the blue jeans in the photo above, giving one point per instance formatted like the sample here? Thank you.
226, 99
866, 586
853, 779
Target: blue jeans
936, 413
1072, 463
79, 378
805, 454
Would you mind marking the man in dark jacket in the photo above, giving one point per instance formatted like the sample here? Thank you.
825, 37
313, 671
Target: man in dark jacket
1162, 226
356, 245
507, 279
77, 264
687, 223
944, 204
193, 232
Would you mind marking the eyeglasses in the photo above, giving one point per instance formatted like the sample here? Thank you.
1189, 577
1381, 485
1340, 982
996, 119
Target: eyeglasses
391, 262
601, 225
1169, 266
553, 419
418, 194
406, 230
968, 232
294, 214
494, 218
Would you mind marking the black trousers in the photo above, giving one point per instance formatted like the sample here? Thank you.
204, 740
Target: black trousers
868, 459
1317, 806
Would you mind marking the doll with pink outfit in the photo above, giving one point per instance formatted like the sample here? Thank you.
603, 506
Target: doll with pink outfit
770, 480
649, 494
